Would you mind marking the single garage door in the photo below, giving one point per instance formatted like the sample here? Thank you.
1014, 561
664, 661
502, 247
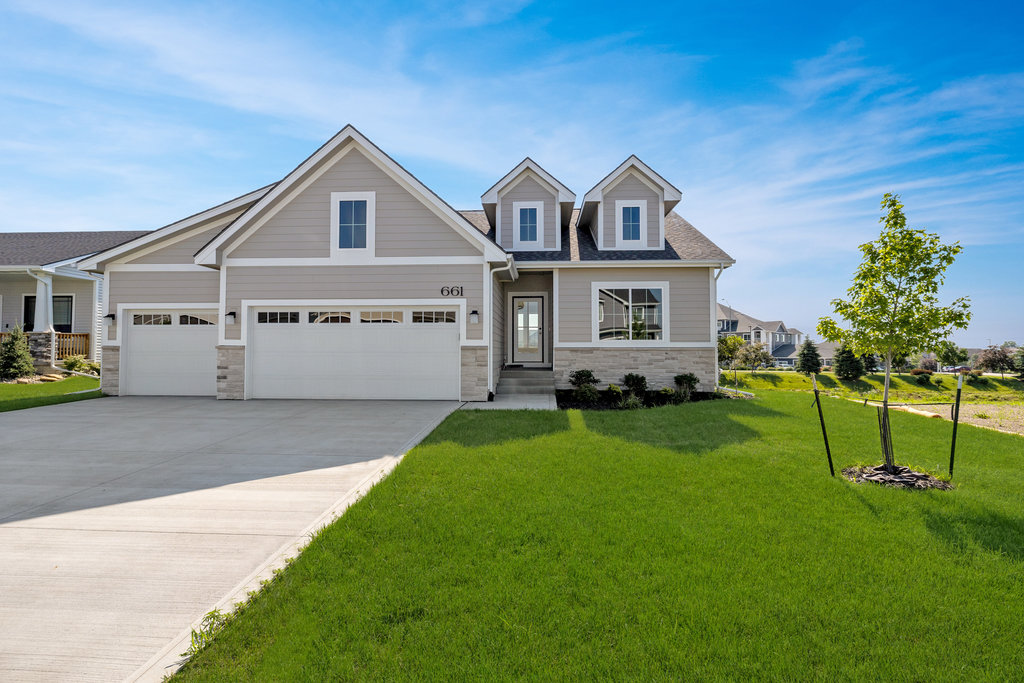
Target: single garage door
398, 353
170, 353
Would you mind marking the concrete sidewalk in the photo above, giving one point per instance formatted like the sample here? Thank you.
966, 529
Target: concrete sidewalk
155, 509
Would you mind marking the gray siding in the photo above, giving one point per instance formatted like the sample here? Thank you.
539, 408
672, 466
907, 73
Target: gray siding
13, 287
534, 282
689, 300
631, 188
160, 288
354, 282
404, 225
528, 190
498, 327
184, 250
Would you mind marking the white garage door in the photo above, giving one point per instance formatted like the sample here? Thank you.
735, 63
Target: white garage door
398, 353
170, 353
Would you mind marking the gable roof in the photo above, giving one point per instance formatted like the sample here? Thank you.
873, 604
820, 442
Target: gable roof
563, 192
672, 194
209, 254
96, 261
43, 248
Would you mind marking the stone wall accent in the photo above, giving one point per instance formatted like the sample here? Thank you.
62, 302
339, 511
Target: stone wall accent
474, 373
40, 345
110, 370
660, 366
231, 372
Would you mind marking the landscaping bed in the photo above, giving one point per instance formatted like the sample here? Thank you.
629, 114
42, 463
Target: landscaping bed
1005, 416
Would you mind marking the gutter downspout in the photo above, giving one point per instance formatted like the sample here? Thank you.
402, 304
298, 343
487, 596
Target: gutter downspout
714, 301
510, 266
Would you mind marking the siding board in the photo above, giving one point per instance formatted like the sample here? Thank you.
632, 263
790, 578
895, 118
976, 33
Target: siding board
184, 250
528, 190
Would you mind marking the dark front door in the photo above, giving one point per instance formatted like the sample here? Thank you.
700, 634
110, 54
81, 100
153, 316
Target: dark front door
62, 306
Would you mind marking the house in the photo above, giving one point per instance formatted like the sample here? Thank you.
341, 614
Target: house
349, 278
781, 341
41, 290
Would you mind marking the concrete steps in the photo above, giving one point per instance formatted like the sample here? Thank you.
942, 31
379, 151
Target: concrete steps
519, 381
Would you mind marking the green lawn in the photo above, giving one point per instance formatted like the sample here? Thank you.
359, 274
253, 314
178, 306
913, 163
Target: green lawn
19, 396
902, 388
703, 541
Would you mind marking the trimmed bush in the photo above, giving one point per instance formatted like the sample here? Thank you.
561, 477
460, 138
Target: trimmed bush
580, 378
615, 394
631, 402
920, 371
586, 394
15, 359
637, 384
685, 384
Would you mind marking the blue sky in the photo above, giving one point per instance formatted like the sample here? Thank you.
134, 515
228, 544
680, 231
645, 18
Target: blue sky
782, 123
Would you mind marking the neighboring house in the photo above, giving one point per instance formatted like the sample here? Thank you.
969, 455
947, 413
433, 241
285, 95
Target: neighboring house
351, 279
781, 341
42, 291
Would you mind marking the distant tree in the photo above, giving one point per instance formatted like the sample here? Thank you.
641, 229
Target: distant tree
949, 354
893, 309
1009, 344
928, 364
1018, 362
727, 349
15, 358
996, 359
754, 356
870, 361
848, 366
808, 360
900, 363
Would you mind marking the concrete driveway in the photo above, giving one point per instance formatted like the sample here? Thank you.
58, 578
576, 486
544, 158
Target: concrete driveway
124, 520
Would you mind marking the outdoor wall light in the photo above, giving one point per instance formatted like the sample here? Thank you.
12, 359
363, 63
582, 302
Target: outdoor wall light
229, 318
110, 317
474, 318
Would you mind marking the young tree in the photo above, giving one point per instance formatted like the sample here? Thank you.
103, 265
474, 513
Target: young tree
728, 347
996, 359
15, 359
949, 354
754, 356
848, 366
808, 360
893, 309
1018, 362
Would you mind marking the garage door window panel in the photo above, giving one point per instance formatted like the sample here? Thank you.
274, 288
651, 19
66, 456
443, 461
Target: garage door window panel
329, 317
385, 317
151, 319
433, 317
277, 317
189, 319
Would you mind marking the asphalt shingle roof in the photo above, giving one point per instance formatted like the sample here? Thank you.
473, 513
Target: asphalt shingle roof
41, 248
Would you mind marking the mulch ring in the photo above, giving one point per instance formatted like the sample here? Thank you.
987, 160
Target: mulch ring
901, 477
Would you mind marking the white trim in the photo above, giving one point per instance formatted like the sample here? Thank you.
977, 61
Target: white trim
562, 193
510, 328
92, 262
122, 308
527, 245
97, 314
208, 255
156, 268
52, 295
354, 254
374, 261
555, 313
554, 265
558, 226
641, 242
635, 345
666, 322
668, 190
171, 240
222, 308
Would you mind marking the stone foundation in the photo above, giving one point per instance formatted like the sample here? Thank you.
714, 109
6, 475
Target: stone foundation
231, 372
474, 373
659, 366
110, 370
40, 345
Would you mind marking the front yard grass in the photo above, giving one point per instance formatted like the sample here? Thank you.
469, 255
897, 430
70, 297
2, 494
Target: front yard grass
20, 396
702, 541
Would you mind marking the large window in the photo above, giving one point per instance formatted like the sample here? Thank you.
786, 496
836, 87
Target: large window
352, 224
632, 314
62, 313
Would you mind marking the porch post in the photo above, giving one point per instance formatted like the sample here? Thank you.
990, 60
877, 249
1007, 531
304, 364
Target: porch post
44, 302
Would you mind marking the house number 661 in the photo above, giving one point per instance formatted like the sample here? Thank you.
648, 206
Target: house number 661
451, 291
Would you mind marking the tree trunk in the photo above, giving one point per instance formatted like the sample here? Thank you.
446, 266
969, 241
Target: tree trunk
890, 464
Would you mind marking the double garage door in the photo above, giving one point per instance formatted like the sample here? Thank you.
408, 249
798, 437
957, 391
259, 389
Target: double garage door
354, 353
399, 352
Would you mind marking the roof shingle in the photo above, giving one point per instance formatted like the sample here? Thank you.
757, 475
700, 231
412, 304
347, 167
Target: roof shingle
42, 248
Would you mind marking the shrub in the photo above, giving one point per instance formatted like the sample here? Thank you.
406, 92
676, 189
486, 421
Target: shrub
631, 402
921, 371
982, 416
15, 359
686, 383
928, 364
586, 394
924, 378
637, 384
75, 363
93, 367
939, 381
615, 393
848, 366
581, 378
665, 396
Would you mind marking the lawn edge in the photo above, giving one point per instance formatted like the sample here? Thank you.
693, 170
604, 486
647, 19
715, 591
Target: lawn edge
168, 660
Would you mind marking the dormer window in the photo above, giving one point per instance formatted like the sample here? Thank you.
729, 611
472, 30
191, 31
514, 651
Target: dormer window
352, 223
528, 225
631, 223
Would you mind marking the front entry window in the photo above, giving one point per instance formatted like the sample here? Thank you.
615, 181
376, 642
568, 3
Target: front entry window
529, 330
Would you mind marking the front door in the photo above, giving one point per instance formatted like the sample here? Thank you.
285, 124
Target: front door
528, 329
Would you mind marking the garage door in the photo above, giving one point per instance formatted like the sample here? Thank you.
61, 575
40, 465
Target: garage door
170, 353
398, 353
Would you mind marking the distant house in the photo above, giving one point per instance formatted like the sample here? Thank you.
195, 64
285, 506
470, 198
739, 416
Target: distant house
781, 341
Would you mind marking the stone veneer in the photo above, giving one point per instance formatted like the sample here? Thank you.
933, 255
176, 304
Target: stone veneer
659, 366
40, 345
231, 372
474, 373
110, 370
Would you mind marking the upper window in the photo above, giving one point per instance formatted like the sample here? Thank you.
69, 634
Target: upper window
352, 224
631, 223
527, 225
630, 314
